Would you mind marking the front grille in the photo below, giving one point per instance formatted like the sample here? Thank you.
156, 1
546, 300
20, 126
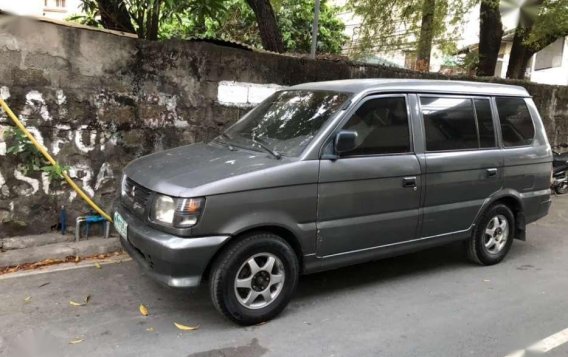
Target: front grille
134, 196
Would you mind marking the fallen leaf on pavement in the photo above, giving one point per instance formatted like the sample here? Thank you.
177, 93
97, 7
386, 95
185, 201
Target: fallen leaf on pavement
77, 259
28, 299
44, 284
150, 329
144, 310
76, 341
85, 302
486, 281
185, 328
97, 265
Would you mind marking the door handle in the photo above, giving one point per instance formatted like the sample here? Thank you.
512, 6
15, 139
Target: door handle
409, 182
491, 172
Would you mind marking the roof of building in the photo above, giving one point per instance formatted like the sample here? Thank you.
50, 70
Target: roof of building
416, 85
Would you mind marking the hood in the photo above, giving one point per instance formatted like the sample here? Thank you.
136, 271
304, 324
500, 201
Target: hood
186, 170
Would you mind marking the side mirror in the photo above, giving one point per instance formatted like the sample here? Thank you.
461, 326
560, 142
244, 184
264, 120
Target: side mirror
345, 141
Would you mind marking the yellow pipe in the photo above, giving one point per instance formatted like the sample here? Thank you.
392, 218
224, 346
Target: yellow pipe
52, 161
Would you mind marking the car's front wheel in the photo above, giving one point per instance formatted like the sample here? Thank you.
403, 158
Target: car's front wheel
253, 279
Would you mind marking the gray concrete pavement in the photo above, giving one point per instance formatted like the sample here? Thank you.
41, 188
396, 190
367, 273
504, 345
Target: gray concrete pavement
432, 303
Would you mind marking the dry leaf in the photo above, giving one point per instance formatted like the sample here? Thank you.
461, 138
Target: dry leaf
97, 265
76, 341
85, 302
144, 310
185, 328
150, 329
28, 299
77, 259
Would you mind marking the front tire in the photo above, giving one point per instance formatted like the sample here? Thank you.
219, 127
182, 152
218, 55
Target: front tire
253, 279
493, 236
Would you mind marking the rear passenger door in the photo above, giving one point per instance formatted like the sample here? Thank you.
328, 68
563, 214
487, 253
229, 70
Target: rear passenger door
463, 162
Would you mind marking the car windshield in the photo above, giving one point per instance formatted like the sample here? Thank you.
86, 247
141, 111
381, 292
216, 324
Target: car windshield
286, 122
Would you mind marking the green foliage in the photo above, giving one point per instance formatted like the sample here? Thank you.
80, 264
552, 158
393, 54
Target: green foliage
550, 23
395, 24
238, 23
32, 160
148, 15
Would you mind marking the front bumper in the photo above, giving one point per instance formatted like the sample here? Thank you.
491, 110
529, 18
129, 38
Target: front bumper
171, 260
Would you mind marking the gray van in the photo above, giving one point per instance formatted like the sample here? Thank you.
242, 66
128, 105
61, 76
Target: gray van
322, 175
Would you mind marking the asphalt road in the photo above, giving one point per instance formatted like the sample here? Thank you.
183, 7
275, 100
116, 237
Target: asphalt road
432, 303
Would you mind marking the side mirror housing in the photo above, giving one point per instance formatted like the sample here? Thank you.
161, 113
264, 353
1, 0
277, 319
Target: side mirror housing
345, 141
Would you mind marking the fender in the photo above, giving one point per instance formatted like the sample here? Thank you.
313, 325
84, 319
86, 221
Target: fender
518, 210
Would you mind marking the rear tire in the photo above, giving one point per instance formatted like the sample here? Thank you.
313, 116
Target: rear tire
253, 279
493, 236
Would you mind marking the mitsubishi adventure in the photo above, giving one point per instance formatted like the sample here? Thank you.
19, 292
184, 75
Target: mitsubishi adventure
322, 175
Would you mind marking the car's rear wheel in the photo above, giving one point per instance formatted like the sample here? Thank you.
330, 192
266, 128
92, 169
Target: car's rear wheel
253, 279
493, 236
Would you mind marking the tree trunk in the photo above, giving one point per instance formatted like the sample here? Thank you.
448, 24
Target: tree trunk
115, 16
520, 56
152, 21
490, 35
268, 27
426, 36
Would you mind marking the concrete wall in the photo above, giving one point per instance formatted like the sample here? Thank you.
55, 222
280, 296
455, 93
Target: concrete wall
97, 100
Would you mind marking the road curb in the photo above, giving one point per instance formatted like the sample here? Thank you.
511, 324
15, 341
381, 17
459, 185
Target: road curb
59, 251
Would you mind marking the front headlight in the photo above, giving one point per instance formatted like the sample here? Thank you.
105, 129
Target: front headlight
177, 212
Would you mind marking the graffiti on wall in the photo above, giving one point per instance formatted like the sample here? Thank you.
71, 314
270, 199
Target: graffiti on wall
66, 134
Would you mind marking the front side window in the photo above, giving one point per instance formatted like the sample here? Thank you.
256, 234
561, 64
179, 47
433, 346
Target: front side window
381, 125
287, 121
517, 127
449, 123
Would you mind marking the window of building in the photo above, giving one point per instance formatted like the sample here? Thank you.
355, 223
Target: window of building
54, 3
550, 56
449, 123
382, 127
517, 128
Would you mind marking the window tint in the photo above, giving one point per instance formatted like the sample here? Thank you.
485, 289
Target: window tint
449, 123
516, 124
382, 127
484, 122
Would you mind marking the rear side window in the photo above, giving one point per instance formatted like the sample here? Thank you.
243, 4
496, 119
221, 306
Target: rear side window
450, 123
517, 127
484, 122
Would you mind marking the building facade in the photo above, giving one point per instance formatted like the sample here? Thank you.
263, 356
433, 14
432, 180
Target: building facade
53, 9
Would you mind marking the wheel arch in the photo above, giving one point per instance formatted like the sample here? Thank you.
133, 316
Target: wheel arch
511, 199
280, 231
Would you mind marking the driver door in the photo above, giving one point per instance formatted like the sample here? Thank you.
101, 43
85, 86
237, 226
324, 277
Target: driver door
369, 197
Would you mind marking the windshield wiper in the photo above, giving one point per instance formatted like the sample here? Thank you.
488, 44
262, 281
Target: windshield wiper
267, 148
225, 142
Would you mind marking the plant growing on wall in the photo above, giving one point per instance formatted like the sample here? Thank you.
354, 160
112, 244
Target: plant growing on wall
31, 159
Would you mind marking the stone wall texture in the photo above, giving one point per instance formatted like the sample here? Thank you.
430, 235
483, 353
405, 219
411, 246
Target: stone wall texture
97, 100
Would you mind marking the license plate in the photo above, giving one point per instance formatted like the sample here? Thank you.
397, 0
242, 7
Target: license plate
120, 225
